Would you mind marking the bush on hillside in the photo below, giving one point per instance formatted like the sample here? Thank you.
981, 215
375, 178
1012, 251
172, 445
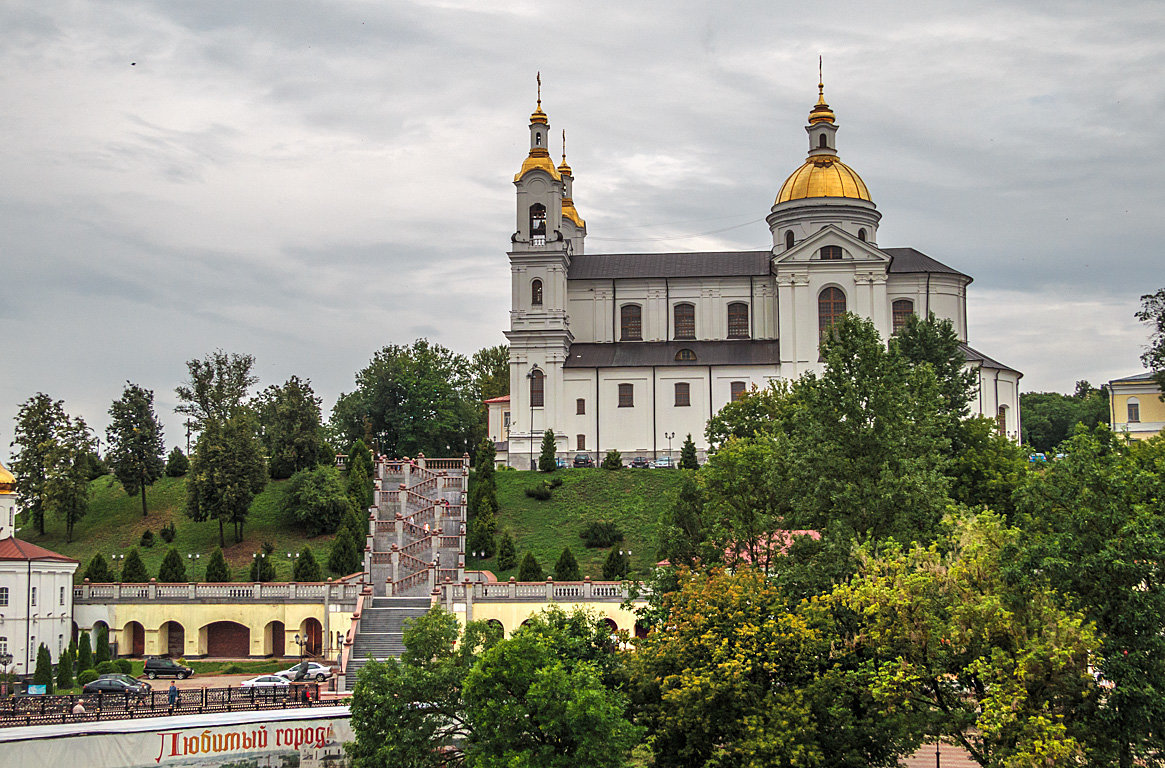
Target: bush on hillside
147, 539
306, 568
554, 482
688, 458
87, 676
177, 464
540, 491
613, 460
168, 532
317, 499
600, 533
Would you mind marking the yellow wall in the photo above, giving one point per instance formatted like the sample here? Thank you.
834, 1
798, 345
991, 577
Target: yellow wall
1151, 407
512, 614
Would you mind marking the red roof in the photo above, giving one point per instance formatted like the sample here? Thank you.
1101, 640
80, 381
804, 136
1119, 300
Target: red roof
502, 399
15, 549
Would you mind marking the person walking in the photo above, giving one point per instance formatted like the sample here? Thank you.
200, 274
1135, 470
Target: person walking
172, 694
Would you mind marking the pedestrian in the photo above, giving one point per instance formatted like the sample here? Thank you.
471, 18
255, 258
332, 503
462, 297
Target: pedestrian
79, 707
173, 694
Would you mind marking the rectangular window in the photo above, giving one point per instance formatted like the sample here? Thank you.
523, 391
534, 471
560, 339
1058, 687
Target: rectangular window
62, 595
631, 323
626, 396
32, 596
683, 394
580, 442
738, 321
3, 595
738, 389
3, 645
901, 310
580, 407
506, 420
685, 321
1134, 411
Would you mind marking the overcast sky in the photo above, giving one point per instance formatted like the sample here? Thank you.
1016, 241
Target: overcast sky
309, 181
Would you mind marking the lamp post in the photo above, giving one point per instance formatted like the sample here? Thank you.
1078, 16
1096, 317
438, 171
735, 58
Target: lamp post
5, 662
669, 436
193, 560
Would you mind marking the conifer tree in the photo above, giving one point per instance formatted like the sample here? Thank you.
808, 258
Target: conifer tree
306, 568
613, 460
530, 570
177, 464
135, 441
360, 476
507, 554
263, 565
65, 671
84, 653
134, 570
547, 458
98, 570
483, 488
615, 566
344, 558
172, 570
217, 570
44, 669
101, 645
481, 533
566, 569
688, 458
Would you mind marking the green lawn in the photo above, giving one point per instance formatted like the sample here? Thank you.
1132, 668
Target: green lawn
114, 524
631, 498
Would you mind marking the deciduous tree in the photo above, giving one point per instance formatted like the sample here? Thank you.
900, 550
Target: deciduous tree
291, 428
1152, 313
135, 441
66, 487
37, 423
316, 499
217, 388
226, 473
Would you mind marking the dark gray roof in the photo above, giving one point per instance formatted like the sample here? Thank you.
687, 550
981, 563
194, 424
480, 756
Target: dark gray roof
631, 354
604, 266
906, 260
1146, 376
975, 356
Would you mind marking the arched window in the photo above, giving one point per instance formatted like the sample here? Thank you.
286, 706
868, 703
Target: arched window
538, 224
536, 293
788, 239
831, 253
684, 317
537, 388
631, 323
738, 320
830, 307
862, 235
738, 389
626, 395
685, 356
683, 394
1001, 419
821, 141
901, 310
1134, 408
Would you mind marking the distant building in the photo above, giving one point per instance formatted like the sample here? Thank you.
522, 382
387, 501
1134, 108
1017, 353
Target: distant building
1136, 406
36, 603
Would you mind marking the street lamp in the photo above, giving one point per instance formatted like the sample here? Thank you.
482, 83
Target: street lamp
193, 559
5, 662
669, 436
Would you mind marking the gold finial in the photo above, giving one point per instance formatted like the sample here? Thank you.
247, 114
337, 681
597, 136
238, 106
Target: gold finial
820, 82
538, 77
564, 145
563, 168
821, 113
539, 116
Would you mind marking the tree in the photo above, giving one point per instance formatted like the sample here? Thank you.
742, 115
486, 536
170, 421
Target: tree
37, 424
360, 485
316, 499
613, 460
682, 531
84, 653
306, 568
481, 533
483, 490
263, 565
98, 570
566, 569
65, 671
761, 411
987, 468
490, 368
217, 570
134, 436
616, 565
293, 434
172, 570
177, 464
226, 472
688, 458
1153, 312
507, 553
412, 399
547, 458
43, 675
217, 388
133, 570
101, 643
1048, 418
346, 557
66, 488
934, 342
530, 570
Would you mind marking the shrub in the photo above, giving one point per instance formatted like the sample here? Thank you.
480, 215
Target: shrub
306, 568
133, 570
98, 570
168, 532
217, 569
613, 460
600, 533
507, 554
554, 482
172, 570
177, 464
688, 458
481, 534
123, 666
65, 671
541, 492
87, 676
101, 645
566, 569
147, 540
615, 566
530, 570
547, 458
316, 499
107, 668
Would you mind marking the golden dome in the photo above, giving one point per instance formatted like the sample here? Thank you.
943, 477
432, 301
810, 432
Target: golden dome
538, 116
564, 169
569, 212
823, 176
7, 481
539, 159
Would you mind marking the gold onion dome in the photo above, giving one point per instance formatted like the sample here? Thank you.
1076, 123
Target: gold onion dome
823, 174
7, 481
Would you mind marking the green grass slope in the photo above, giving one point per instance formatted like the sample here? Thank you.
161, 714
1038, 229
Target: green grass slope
632, 498
114, 524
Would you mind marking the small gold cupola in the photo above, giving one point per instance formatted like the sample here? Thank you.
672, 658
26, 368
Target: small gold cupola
539, 157
568, 209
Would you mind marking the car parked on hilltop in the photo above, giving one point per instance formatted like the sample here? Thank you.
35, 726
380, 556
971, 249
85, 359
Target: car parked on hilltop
664, 463
158, 667
584, 460
640, 462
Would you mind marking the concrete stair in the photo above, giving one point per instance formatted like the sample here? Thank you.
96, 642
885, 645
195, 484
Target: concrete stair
381, 631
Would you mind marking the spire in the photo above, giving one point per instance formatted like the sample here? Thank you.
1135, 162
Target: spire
821, 113
539, 116
563, 168
539, 156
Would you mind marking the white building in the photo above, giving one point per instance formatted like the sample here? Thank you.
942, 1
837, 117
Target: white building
36, 592
621, 350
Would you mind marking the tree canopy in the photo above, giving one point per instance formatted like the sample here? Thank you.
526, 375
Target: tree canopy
217, 387
1152, 313
135, 441
1048, 418
38, 422
291, 428
226, 472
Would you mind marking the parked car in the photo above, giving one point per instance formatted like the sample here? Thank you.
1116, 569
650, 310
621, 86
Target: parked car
159, 667
117, 683
312, 670
664, 463
640, 462
560, 463
266, 681
584, 460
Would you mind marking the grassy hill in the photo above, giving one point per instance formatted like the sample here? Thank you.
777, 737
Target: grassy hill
114, 524
631, 498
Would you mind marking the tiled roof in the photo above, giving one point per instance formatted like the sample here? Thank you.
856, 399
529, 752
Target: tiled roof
907, 260
975, 356
604, 266
15, 549
1147, 376
502, 399
632, 354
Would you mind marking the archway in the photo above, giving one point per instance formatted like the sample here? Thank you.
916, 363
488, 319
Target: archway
641, 629
172, 638
274, 635
495, 624
95, 631
611, 625
312, 634
134, 636
226, 639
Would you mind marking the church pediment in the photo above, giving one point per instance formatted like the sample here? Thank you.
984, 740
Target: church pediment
831, 245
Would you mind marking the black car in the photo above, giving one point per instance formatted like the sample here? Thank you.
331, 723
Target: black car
640, 462
584, 460
117, 683
158, 667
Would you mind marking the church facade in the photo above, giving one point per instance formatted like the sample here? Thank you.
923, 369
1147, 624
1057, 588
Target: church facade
635, 351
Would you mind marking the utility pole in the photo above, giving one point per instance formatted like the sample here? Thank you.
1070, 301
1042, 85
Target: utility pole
189, 424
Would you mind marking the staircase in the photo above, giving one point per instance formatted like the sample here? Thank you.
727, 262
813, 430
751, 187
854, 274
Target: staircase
381, 631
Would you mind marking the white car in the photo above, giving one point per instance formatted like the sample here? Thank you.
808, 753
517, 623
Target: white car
266, 681
315, 671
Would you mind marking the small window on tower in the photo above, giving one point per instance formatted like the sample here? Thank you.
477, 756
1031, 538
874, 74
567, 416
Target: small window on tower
536, 293
538, 224
788, 239
862, 235
831, 253
580, 407
821, 141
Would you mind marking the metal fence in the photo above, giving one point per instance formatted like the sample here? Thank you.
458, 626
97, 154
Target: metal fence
44, 710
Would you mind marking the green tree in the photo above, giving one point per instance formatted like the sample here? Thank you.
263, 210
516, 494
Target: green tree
66, 489
547, 458
360, 485
1048, 418
43, 674
37, 424
217, 569
316, 499
177, 465
217, 388
682, 532
935, 342
134, 436
346, 556
84, 653
616, 565
306, 568
566, 569
263, 563
613, 460
481, 533
101, 642
755, 412
1152, 312
490, 368
412, 399
293, 434
98, 571
530, 570
507, 553
133, 570
226, 473
483, 490
65, 671
688, 458
172, 569
987, 468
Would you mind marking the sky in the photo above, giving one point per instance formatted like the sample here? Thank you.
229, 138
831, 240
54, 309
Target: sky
310, 181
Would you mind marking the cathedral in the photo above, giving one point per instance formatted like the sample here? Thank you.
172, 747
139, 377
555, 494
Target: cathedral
634, 351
